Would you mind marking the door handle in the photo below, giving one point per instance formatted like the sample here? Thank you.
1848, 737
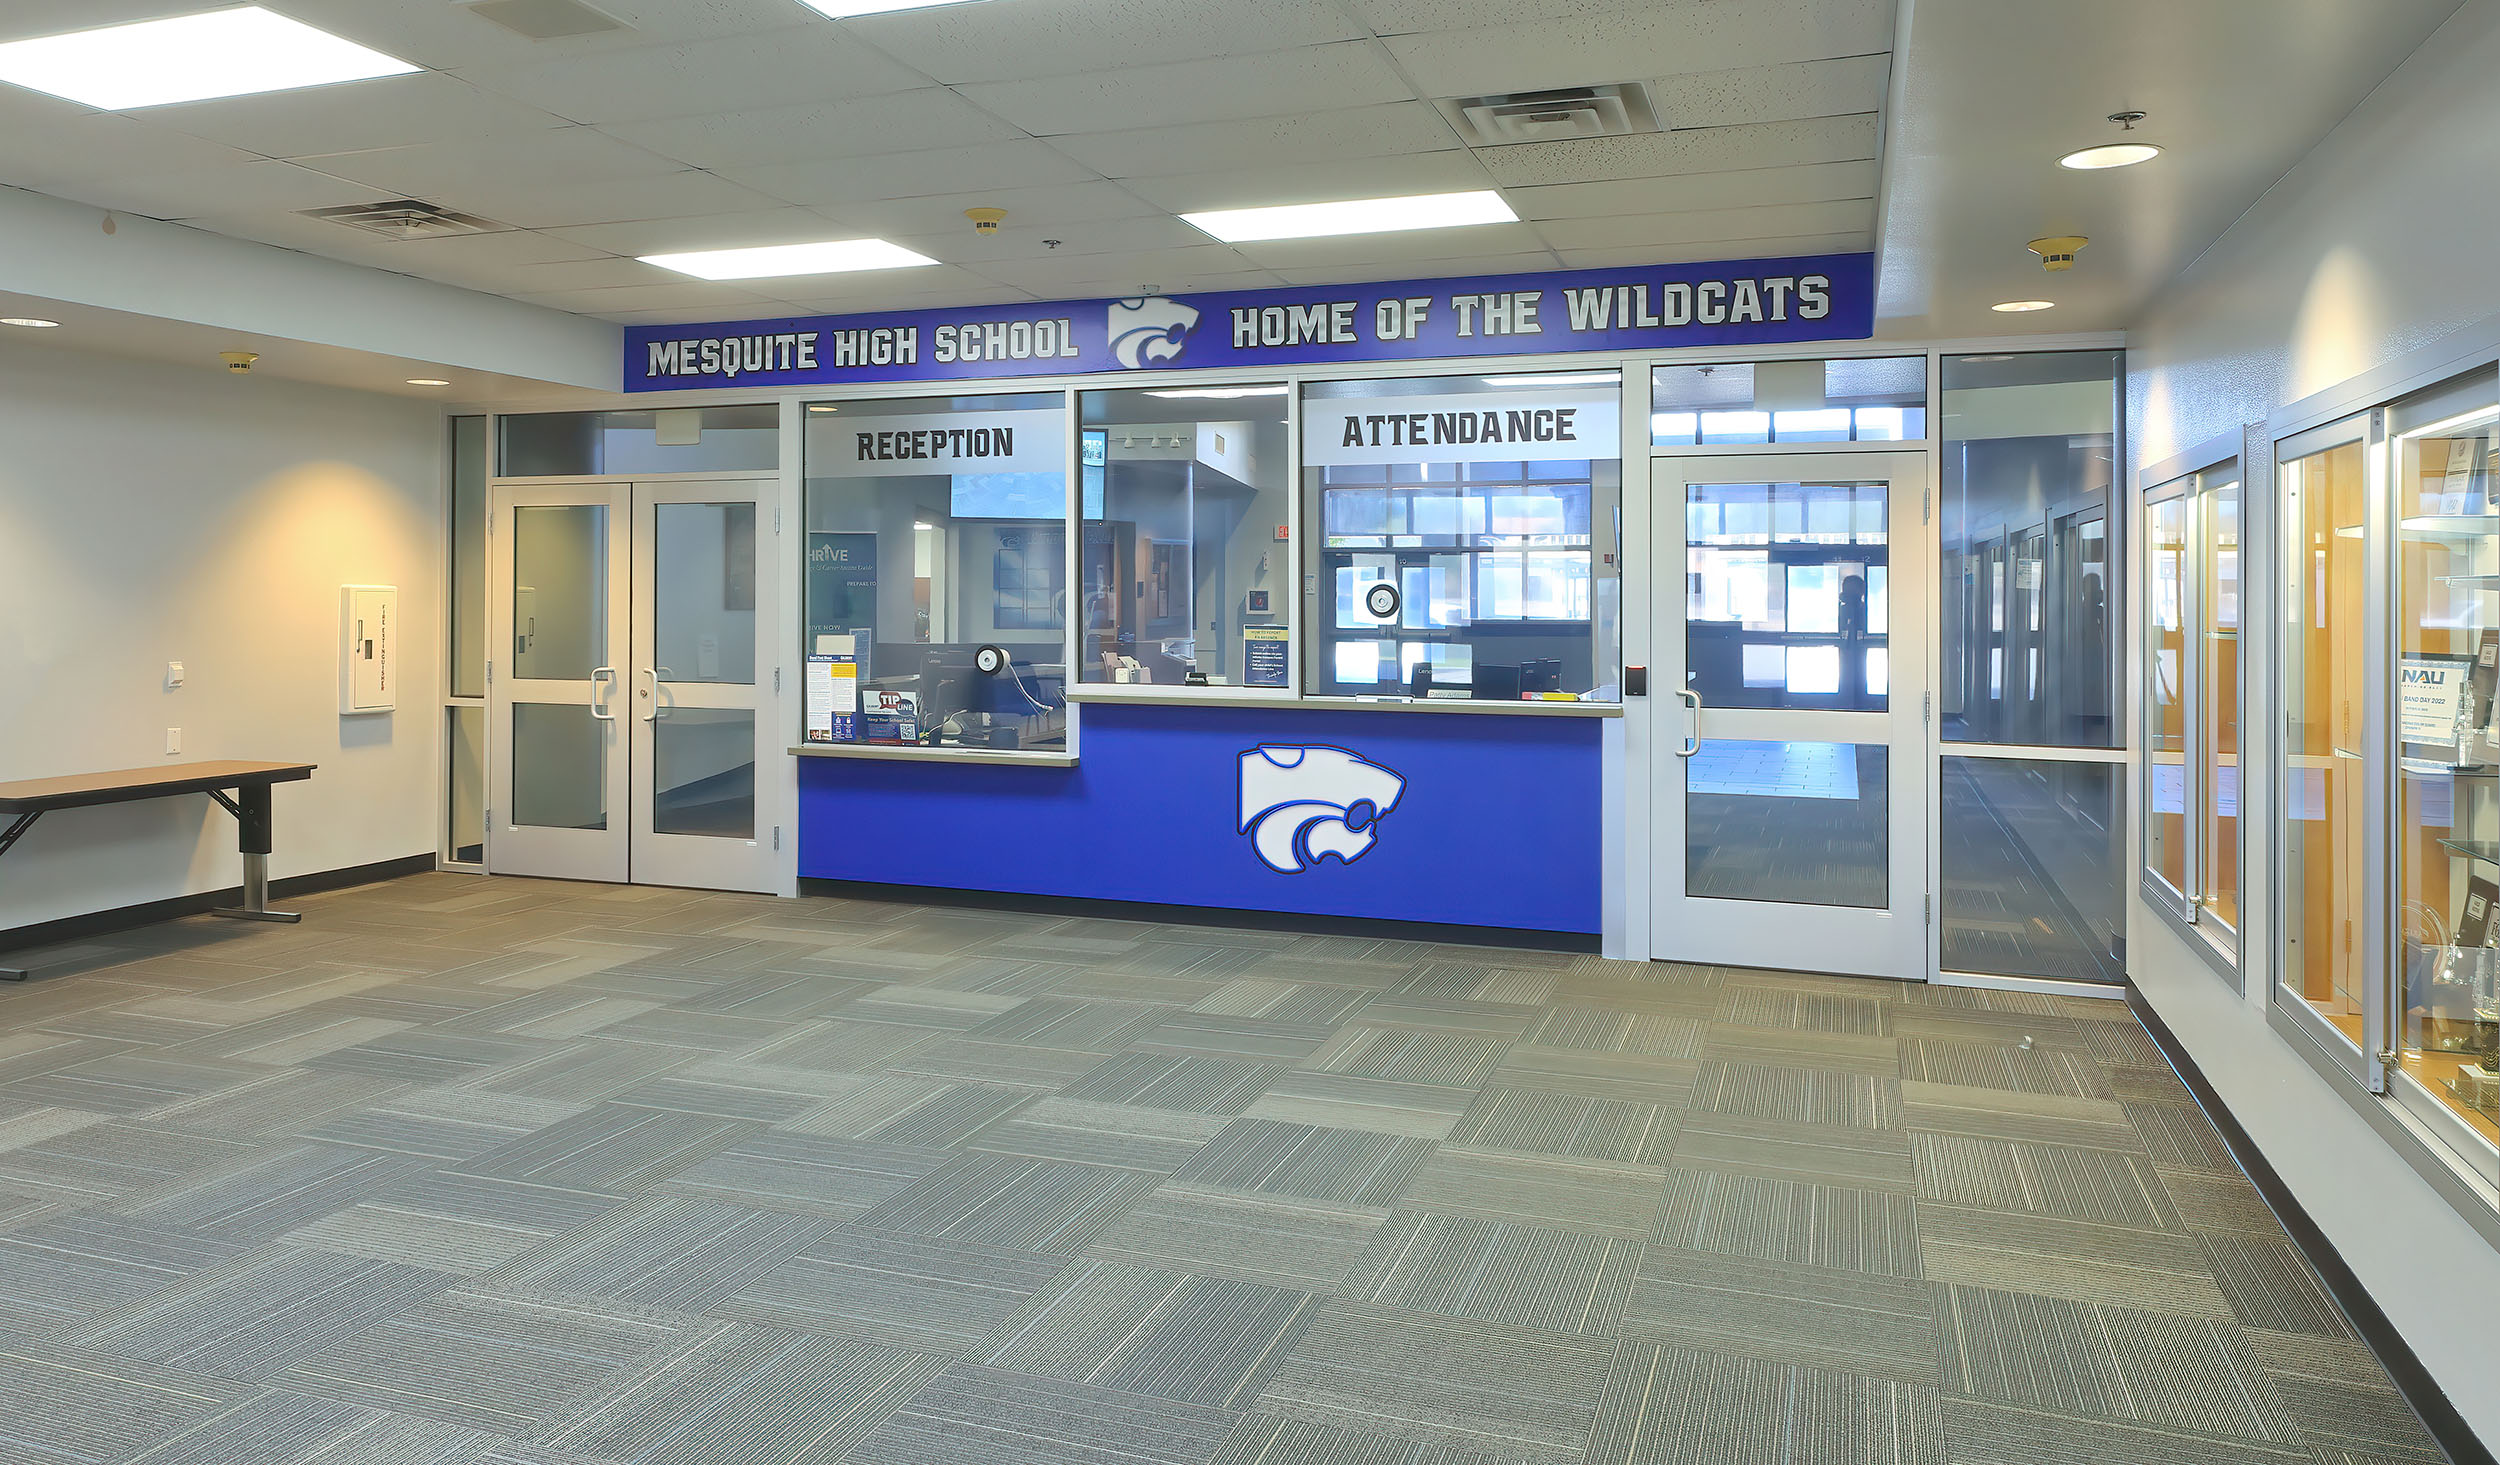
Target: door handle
602, 678
653, 708
1692, 739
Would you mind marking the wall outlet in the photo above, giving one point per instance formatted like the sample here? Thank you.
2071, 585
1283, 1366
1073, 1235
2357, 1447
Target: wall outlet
173, 675
173, 741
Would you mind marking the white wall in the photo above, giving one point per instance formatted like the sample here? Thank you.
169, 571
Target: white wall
2375, 245
152, 513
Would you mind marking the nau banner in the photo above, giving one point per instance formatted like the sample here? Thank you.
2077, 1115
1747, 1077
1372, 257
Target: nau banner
1734, 304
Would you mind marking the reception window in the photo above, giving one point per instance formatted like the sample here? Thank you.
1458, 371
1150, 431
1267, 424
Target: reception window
2192, 697
1864, 400
1185, 567
1465, 531
937, 572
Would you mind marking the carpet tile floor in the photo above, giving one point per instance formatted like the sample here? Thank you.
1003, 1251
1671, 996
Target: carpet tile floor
468, 1171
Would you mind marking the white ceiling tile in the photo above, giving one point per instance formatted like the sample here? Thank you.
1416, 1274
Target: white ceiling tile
561, 155
789, 66
1211, 89
1654, 40
684, 194
1707, 225
1399, 17
688, 295
691, 315
1036, 209
1833, 88
390, 111
257, 185
1746, 188
930, 117
1455, 171
1402, 248
1391, 129
1450, 268
1669, 254
445, 36
1162, 268
45, 140
1085, 236
1031, 38
506, 248
707, 231
893, 293
607, 272
1665, 154
835, 182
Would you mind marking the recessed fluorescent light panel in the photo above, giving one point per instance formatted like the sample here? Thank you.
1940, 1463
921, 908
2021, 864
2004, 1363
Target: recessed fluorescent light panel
845, 9
1355, 216
190, 58
773, 260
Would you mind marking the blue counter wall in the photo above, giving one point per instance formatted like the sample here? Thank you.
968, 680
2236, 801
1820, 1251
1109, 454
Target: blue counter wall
1496, 822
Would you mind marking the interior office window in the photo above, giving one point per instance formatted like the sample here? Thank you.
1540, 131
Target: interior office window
468, 556
2030, 595
1865, 400
1465, 534
2192, 700
1787, 598
937, 527
1182, 567
744, 439
2444, 449
2030, 865
2322, 481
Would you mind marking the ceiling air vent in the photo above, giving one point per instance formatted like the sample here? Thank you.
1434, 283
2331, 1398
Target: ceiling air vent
1580, 111
546, 20
406, 218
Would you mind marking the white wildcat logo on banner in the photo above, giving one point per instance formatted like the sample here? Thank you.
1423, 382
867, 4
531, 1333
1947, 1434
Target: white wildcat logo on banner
1301, 803
1150, 330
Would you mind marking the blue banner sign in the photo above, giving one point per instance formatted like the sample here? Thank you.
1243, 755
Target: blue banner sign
1740, 303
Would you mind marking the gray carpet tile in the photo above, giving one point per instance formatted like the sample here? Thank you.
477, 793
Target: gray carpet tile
1310, 1245
503, 1365
1548, 1122
1530, 1394
1000, 1417
669, 1252
62, 1405
470, 1171
1202, 1340
913, 1292
747, 1396
1778, 1220
1853, 1322
1012, 1201
251, 1319
1669, 1405
1350, 1167
1498, 1271
1176, 1081
1543, 1190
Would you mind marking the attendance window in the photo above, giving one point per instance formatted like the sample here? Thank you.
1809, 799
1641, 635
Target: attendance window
937, 570
1464, 530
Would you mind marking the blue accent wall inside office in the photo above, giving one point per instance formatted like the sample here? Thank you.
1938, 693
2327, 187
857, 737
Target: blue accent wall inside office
1477, 821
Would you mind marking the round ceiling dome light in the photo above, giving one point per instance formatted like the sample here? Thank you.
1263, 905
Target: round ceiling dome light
2110, 155
427, 381
30, 322
2018, 307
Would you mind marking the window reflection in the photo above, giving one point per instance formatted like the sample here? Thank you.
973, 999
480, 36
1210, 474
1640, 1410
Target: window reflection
1786, 599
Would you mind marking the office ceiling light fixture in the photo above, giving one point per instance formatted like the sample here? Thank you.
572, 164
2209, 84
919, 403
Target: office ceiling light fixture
2113, 155
2019, 307
427, 381
190, 58
770, 261
30, 322
1355, 216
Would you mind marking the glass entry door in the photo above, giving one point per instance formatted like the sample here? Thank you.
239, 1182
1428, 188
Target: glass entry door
1789, 680
627, 696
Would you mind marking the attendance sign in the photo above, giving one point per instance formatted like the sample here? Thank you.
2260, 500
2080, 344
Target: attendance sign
1731, 304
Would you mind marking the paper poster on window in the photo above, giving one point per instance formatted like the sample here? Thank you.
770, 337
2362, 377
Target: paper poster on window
832, 697
2430, 698
1263, 656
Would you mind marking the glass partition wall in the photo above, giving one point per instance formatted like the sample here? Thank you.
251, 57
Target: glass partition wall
2388, 820
2192, 697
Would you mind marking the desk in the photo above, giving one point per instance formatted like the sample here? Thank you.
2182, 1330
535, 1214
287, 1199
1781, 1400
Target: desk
27, 800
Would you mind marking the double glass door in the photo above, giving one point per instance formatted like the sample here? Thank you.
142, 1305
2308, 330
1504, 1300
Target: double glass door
1789, 647
630, 698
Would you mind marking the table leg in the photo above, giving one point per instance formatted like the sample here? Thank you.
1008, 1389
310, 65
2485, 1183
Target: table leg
15, 832
252, 837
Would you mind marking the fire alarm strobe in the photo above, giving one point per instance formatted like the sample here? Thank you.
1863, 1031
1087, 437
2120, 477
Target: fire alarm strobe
1381, 599
990, 660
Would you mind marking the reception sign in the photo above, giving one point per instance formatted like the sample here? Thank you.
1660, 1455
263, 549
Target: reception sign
1662, 307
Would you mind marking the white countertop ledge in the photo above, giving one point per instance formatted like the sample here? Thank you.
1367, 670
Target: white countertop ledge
1176, 696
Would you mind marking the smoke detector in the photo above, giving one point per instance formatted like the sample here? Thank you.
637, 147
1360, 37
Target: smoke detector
406, 218
239, 362
2058, 251
1614, 110
986, 221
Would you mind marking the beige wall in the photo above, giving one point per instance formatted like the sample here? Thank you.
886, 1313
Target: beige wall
153, 513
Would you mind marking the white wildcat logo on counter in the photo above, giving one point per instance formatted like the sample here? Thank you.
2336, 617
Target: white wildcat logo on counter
1150, 330
1299, 804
